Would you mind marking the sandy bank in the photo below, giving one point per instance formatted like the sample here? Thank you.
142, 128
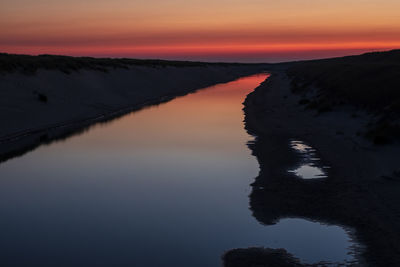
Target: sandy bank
361, 192
50, 104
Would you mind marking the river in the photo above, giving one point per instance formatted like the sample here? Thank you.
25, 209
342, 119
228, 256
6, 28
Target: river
164, 186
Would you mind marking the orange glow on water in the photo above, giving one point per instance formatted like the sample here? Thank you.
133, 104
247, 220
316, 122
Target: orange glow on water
210, 120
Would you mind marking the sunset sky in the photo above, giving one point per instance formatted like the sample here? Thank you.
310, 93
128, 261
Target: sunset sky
208, 30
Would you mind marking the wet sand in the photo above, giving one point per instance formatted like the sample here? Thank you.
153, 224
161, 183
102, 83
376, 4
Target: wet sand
363, 184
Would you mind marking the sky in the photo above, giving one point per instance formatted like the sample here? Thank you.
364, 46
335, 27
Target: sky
206, 30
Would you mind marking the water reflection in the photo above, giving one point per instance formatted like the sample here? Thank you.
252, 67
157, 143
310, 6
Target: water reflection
20, 145
165, 186
308, 171
276, 196
310, 166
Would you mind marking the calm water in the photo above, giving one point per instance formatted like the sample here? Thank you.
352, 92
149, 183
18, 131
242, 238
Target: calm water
165, 186
310, 165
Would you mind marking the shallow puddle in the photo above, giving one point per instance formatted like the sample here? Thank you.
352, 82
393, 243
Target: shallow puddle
310, 166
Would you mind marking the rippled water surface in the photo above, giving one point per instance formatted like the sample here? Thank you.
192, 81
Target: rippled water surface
165, 186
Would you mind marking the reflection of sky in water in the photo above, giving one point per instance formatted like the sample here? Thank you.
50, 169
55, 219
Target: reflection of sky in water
309, 172
310, 165
166, 186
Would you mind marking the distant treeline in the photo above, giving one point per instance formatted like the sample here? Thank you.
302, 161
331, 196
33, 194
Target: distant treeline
30, 64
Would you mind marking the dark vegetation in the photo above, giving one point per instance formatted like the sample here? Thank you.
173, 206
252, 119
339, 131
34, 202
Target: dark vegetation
41, 97
370, 81
30, 64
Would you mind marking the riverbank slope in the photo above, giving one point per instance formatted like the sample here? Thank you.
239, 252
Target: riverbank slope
363, 184
46, 97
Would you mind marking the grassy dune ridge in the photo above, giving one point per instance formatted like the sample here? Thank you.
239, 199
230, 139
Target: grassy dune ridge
370, 81
44, 98
30, 64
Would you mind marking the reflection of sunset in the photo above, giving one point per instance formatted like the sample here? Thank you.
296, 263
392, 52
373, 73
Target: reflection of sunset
191, 29
210, 121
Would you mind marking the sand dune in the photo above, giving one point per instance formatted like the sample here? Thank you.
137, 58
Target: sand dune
362, 188
49, 99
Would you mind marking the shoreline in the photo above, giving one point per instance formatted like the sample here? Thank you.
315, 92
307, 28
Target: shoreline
363, 184
22, 143
361, 190
54, 122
